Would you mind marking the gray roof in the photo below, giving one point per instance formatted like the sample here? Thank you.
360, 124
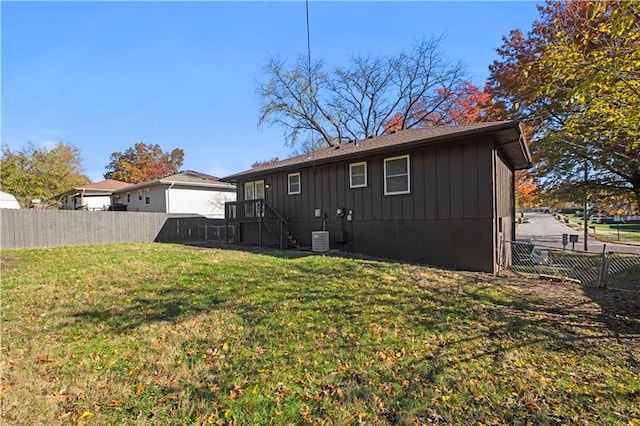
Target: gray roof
507, 136
185, 178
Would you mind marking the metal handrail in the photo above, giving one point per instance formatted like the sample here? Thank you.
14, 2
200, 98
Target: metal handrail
272, 219
260, 211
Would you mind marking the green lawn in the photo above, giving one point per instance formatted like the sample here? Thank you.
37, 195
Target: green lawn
609, 232
167, 334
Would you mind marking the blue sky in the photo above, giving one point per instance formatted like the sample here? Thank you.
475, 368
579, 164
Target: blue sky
104, 75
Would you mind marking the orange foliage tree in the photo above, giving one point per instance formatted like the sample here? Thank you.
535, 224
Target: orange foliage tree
464, 103
574, 77
143, 162
527, 190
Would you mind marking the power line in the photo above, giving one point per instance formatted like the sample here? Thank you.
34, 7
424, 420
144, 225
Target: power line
308, 47
306, 4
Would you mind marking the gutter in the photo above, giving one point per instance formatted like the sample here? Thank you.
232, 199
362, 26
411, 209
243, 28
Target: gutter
169, 182
207, 185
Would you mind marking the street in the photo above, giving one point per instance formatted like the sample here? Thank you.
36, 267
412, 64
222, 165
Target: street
544, 230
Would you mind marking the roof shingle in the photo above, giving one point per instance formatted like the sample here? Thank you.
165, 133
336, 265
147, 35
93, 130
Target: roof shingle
109, 184
519, 154
187, 177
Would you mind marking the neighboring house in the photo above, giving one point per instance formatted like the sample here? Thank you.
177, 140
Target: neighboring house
8, 201
94, 196
185, 192
442, 196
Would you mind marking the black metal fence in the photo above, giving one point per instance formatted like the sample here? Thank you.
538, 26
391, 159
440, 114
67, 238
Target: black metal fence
592, 269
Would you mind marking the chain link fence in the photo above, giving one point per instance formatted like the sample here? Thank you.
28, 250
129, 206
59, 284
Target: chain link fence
605, 269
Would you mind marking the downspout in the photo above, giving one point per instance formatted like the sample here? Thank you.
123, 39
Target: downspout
168, 201
496, 213
514, 212
82, 200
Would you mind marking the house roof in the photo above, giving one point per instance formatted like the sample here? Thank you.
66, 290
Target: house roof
105, 187
186, 177
109, 185
507, 136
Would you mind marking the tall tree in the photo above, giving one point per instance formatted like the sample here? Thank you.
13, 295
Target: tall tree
143, 162
465, 103
575, 78
526, 188
40, 173
355, 101
260, 163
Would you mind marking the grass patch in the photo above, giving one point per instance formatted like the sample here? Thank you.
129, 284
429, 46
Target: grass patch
609, 232
166, 334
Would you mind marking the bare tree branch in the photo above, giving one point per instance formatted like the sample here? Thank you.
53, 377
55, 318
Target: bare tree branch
355, 101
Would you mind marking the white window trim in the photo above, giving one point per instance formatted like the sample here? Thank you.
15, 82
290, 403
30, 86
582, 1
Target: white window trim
351, 166
289, 176
250, 186
408, 174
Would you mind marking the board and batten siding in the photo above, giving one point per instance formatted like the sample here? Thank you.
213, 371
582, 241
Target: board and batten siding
505, 207
447, 219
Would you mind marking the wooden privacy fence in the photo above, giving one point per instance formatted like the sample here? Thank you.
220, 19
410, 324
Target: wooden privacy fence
50, 228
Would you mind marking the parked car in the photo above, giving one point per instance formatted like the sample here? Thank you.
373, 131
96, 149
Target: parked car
601, 219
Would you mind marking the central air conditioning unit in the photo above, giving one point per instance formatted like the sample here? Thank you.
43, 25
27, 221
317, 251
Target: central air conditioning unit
320, 241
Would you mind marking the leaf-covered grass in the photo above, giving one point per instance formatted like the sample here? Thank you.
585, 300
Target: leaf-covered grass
166, 334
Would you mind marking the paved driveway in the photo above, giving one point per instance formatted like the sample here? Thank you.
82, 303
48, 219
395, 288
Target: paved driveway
543, 229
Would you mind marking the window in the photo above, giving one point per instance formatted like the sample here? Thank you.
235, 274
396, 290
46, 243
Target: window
358, 175
253, 190
128, 197
396, 175
294, 183
139, 194
147, 196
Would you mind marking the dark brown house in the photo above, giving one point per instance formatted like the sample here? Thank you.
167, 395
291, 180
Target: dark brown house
441, 196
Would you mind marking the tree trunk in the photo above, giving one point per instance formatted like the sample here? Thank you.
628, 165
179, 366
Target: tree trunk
635, 183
